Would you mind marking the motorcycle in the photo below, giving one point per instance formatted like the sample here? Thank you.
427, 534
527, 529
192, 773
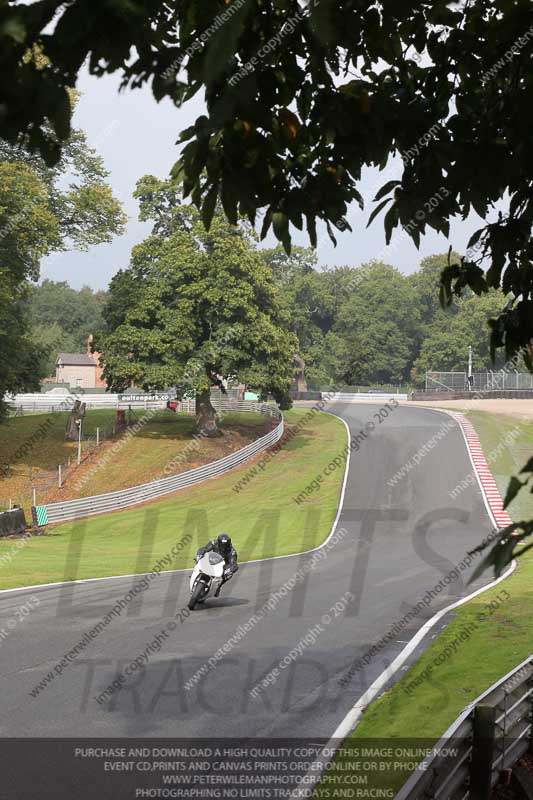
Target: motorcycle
209, 568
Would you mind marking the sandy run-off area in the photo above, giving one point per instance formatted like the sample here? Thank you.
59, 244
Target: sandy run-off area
511, 408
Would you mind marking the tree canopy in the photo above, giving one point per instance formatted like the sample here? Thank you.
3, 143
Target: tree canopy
377, 326
194, 309
44, 210
78, 194
28, 231
447, 338
297, 106
372, 325
61, 318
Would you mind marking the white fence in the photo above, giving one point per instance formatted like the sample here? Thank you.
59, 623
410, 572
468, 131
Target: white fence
114, 501
368, 397
63, 402
56, 403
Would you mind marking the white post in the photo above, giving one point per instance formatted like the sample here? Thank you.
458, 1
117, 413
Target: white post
10, 504
79, 441
97, 436
59, 476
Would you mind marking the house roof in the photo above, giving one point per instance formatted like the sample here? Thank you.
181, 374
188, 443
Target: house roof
76, 360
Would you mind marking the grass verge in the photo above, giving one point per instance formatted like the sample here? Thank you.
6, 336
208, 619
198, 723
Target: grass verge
262, 518
128, 460
500, 640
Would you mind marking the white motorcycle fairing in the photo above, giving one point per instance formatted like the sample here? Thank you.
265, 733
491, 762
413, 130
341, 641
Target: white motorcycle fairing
210, 567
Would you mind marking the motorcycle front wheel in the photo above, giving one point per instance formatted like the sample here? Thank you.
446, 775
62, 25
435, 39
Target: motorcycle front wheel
197, 593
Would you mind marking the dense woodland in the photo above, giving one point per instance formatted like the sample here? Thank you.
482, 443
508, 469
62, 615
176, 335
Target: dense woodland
61, 319
355, 325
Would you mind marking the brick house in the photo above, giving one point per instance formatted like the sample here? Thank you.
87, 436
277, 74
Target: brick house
80, 369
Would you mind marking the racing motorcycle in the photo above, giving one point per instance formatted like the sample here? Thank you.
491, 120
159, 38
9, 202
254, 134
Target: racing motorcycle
210, 570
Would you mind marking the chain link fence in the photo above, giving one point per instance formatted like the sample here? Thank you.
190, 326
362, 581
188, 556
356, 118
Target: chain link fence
38, 482
481, 381
385, 388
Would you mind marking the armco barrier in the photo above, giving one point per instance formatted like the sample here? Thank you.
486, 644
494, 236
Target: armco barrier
489, 737
124, 498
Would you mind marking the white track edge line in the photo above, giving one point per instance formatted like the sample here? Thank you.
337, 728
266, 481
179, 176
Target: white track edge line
350, 721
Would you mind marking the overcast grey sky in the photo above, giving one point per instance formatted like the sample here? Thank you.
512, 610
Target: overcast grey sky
135, 136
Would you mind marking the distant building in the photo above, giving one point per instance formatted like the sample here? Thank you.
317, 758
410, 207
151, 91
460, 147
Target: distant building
80, 369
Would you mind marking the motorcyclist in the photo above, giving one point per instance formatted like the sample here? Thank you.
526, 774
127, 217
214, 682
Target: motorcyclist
223, 546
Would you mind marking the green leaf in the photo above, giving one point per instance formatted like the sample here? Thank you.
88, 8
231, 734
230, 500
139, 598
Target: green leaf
474, 239
311, 230
178, 172
62, 115
280, 223
390, 222
209, 205
330, 233
376, 211
267, 222
229, 199
445, 296
221, 46
15, 28
386, 189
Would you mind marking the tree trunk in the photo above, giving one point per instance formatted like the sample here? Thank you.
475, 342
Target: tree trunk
206, 416
77, 414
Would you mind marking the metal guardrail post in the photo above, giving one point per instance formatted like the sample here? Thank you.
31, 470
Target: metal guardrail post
483, 744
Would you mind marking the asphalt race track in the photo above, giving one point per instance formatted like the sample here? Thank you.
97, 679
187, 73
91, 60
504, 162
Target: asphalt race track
398, 542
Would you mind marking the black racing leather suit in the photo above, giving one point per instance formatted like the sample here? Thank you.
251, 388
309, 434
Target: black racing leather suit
230, 559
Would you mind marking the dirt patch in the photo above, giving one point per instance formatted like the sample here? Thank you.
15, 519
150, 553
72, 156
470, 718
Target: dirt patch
210, 450
510, 408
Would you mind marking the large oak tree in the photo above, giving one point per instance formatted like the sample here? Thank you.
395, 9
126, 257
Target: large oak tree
195, 308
